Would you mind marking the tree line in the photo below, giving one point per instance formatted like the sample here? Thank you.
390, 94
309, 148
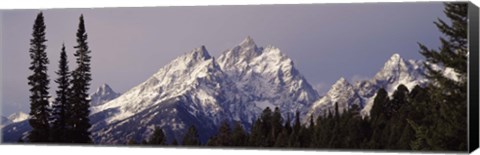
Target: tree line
424, 118
66, 119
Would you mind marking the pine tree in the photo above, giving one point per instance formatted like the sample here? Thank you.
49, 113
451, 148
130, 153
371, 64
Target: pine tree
267, 118
379, 102
378, 120
297, 124
399, 99
256, 137
158, 137
288, 126
294, 139
39, 105
191, 138
282, 139
239, 136
223, 136
276, 125
132, 141
81, 78
448, 96
61, 106
175, 142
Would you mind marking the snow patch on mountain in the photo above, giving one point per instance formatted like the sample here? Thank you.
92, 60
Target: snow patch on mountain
18, 117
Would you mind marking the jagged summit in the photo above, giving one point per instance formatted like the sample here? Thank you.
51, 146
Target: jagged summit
242, 53
178, 78
341, 93
104, 88
103, 94
268, 76
248, 41
340, 85
395, 57
200, 53
342, 80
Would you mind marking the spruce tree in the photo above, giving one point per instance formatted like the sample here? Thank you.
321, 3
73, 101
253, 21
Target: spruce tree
132, 141
448, 96
61, 106
158, 137
223, 136
81, 78
297, 124
191, 138
39, 81
379, 102
267, 118
239, 136
276, 125
288, 126
399, 99
378, 120
175, 142
256, 137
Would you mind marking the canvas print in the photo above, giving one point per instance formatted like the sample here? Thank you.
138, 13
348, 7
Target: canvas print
372, 76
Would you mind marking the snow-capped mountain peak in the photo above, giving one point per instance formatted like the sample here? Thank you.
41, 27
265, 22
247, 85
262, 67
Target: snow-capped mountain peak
268, 77
248, 43
103, 94
200, 53
18, 117
396, 71
104, 89
341, 83
341, 93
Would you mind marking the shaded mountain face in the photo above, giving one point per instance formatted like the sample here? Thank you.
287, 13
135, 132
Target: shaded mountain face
102, 95
5, 121
15, 127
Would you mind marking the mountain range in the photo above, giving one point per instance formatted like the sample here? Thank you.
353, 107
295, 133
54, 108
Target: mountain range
198, 89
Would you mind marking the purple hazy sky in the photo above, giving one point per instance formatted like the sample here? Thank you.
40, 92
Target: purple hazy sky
325, 41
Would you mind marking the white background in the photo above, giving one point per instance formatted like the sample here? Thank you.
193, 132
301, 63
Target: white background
73, 150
